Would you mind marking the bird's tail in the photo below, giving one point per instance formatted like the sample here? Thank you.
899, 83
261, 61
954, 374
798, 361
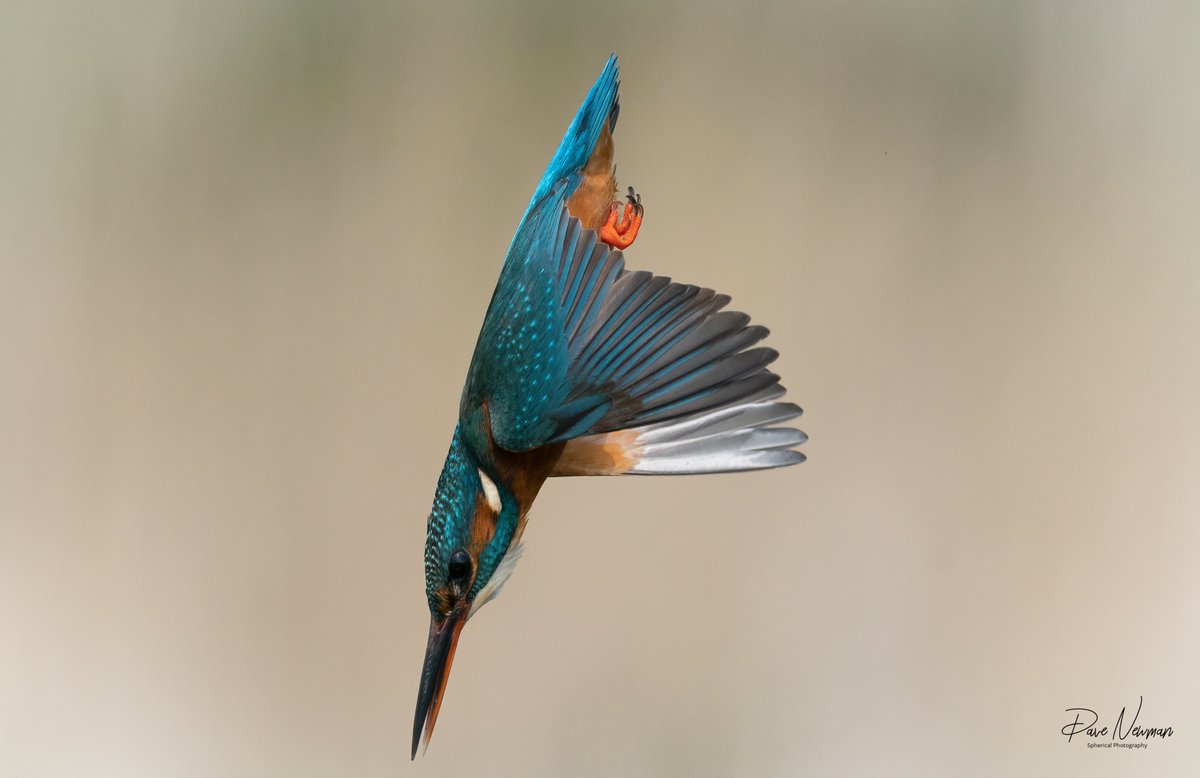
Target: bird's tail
599, 109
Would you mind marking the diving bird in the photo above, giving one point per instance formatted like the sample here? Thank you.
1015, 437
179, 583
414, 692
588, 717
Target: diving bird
584, 367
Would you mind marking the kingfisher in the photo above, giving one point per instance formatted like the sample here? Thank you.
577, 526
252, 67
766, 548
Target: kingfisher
584, 367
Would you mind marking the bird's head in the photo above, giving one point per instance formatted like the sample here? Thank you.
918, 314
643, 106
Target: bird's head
470, 550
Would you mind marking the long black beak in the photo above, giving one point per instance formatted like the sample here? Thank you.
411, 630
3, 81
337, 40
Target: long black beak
439, 655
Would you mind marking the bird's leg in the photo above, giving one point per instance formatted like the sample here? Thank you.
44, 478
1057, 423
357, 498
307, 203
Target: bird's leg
620, 233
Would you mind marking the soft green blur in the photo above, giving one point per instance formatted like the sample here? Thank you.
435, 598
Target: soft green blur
245, 249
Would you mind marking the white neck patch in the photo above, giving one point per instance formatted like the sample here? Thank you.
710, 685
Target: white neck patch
490, 492
498, 579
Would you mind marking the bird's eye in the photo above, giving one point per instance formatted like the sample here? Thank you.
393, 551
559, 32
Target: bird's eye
460, 567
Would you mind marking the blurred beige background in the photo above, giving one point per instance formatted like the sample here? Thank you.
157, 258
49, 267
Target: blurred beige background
245, 250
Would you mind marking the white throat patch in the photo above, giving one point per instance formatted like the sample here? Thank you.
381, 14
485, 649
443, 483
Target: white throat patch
499, 578
490, 492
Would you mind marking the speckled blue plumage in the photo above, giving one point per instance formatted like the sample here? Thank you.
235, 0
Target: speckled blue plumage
450, 520
521, 359
453, 504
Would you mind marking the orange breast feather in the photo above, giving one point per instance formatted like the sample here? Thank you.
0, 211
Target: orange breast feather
592, 201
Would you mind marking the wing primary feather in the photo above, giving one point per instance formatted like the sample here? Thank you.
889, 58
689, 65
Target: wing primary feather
611, 351
705, 304
705, 345
607, 309
609, 265
645, 330
709, 397
633, 305
718, 371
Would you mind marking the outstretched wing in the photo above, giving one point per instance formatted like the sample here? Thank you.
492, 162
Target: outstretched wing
578, 348
574, 348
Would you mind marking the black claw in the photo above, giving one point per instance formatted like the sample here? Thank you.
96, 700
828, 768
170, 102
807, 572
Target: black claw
635, 200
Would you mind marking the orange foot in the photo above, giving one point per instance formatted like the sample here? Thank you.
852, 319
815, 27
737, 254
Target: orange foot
620, 234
